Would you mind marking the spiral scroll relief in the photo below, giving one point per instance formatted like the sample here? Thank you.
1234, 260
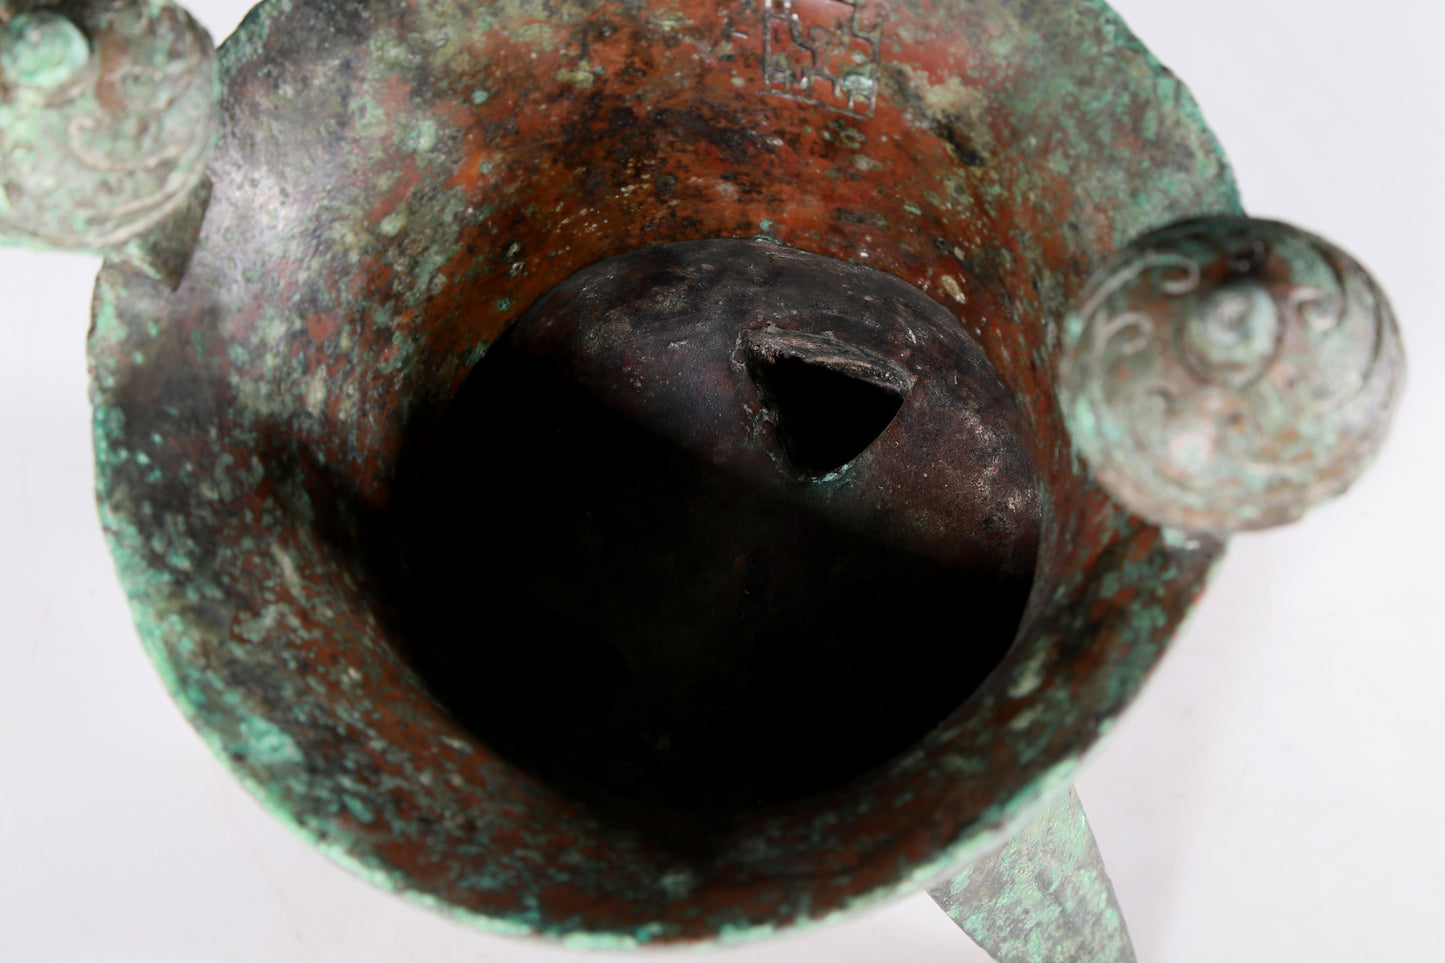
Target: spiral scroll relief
107, 111
1225, 373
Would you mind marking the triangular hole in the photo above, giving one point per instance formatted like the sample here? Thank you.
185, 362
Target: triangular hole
825, 418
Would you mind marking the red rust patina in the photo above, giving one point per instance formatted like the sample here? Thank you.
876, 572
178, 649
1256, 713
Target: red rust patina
396, 184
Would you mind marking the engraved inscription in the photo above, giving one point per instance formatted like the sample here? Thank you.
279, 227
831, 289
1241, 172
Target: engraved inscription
824, 52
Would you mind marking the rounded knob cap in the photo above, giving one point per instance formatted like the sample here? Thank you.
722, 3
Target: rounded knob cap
1225, 373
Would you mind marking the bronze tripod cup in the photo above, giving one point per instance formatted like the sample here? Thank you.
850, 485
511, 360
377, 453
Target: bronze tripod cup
522, 488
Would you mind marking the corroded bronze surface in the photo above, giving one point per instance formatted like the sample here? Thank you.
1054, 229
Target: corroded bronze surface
107, 111
395, 184
1045, 897
1226, 373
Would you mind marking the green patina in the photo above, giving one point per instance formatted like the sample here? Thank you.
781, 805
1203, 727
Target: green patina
367, 241
1224, 374
42, 51
89, 170
1043, 897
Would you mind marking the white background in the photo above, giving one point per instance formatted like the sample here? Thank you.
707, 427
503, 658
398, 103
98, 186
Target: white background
1277, 794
